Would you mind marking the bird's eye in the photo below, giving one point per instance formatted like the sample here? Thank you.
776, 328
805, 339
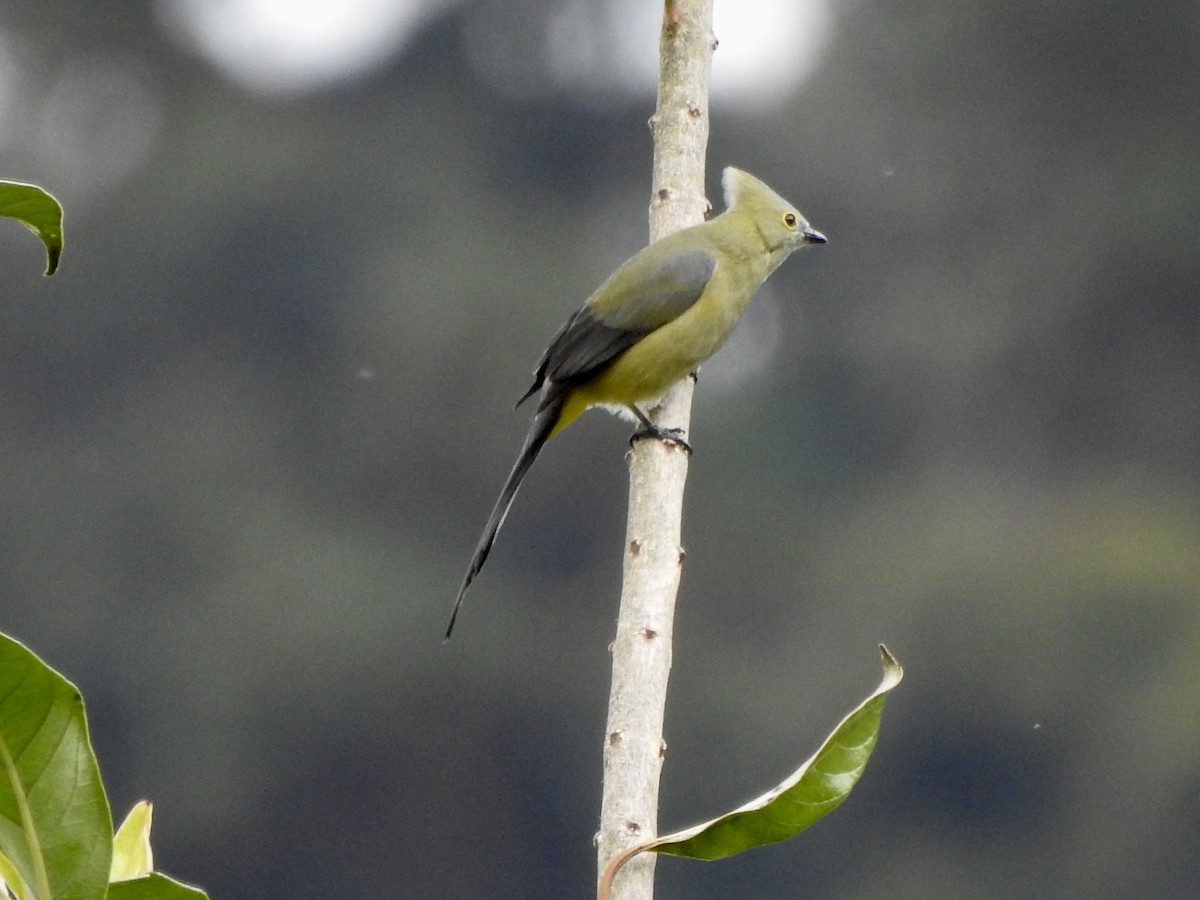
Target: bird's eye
789, 219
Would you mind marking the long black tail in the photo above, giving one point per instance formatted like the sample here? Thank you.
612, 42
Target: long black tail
539, 430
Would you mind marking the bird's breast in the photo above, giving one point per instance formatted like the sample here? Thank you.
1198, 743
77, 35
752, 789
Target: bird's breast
648, 369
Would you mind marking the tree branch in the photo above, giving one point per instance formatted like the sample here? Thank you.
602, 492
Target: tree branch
634, 746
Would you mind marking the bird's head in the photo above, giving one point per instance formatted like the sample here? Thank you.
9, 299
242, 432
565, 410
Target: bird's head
782, 227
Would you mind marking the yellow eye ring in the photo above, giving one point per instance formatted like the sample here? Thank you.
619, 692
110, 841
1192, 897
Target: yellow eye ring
789, 219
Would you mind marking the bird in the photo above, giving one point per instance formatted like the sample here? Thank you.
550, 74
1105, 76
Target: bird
651, 323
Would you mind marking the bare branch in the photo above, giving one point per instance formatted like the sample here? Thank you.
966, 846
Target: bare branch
634, 747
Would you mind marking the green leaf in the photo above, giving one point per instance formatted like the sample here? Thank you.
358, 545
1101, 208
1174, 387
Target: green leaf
10, 878
132, 856
154, 887
811, 792
55, 825
38, 211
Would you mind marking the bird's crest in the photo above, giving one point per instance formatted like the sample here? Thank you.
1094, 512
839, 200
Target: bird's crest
742, 187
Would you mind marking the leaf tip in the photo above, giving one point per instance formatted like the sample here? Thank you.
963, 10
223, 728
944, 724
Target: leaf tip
892, 670
53, 252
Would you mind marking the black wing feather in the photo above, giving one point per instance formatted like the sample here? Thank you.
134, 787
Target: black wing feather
588, 342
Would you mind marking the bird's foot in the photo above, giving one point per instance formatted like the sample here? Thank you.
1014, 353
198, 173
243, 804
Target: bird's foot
667, 435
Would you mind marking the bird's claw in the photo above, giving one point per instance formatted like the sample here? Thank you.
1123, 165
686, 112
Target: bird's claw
668, 435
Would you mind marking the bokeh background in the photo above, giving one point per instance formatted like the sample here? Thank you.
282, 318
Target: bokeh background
249, 432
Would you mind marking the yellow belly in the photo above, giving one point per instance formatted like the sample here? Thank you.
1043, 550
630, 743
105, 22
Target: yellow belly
647, 370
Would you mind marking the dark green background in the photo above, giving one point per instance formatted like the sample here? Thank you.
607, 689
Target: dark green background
249, 432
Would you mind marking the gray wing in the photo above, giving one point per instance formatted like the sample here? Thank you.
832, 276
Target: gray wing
643, 295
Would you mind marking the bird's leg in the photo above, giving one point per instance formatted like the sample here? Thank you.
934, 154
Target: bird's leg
650, 430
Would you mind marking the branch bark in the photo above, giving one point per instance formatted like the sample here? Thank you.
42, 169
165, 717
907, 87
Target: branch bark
634, 746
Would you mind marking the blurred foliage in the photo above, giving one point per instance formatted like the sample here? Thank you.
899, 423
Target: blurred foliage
251, 431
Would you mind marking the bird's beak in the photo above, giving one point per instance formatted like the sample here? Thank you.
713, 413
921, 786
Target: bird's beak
812, 236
